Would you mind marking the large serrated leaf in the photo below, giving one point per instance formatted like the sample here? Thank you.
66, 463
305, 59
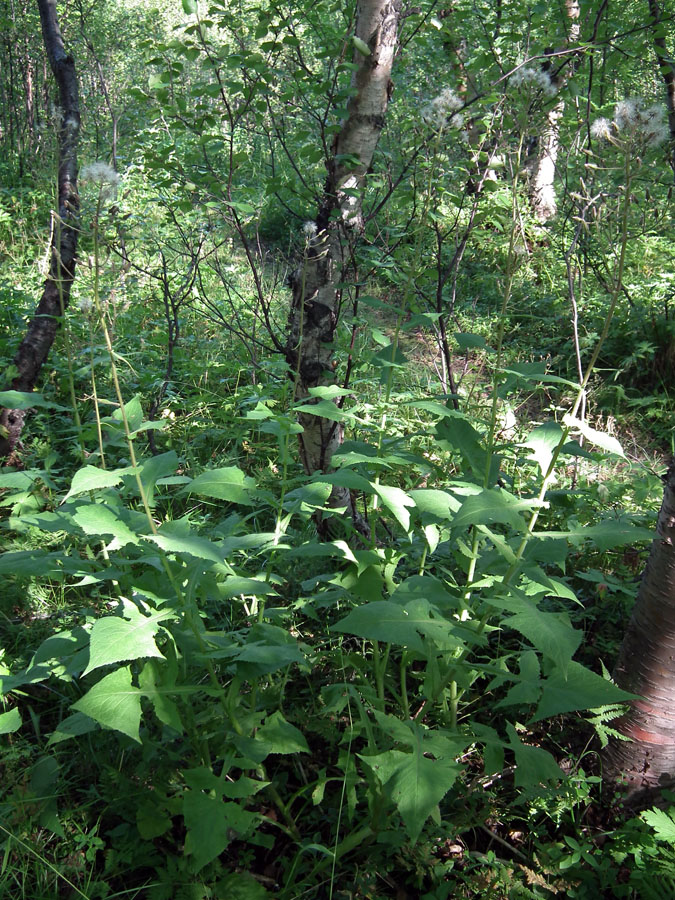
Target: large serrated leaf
534, 765
229, 484
72, 726
119, 639
211, 825
548, 633
439, 504
90, 478
25, 400
414, 782
279, 736
10, 721
381, 620
598, 438
396, 502
490, 506
578, 689
190, 544
114, 703
100, 519
542, 441
326, 409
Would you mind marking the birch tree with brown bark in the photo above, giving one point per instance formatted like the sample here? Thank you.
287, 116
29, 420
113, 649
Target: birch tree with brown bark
646, 667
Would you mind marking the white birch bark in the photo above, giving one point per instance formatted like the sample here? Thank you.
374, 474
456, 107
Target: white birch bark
313, 316
543, 198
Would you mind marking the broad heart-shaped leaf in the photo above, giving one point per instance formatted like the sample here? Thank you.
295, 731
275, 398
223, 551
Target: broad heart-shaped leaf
455, 431
267, 649
328, 391
326, 409
242, 886
494, 505
414, 782
99, 519
70, 727
396, 502
18, 481
547, 632
10, 721
25, 400
118, 639
534, 765
439, 504
598, 438
579, 689
279, 736
89, 478
133, 412
211, 825
28, 562
346, 478
605, 535
229, 484
615, 533
160, 466
542, 441
381, 620
188, 543
150, 684
468, 341
114, 703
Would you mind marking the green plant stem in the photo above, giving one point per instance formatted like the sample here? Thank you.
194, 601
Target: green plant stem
69, 350
405, 703
97, 412
511, 265
614, 299
550, 471
378, 668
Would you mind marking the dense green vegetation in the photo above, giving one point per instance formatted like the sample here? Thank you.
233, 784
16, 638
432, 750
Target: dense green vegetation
213, 682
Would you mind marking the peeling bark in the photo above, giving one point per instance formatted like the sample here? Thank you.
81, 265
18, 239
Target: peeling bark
646, 666
544, 203
316, 297
35, 346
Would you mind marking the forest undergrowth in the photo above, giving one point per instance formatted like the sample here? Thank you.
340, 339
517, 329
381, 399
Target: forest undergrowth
226, 674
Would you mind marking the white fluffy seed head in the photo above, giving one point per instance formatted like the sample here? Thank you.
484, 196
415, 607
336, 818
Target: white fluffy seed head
443, 108
533, 80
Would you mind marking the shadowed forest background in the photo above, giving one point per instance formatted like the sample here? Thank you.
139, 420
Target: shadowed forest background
337, 493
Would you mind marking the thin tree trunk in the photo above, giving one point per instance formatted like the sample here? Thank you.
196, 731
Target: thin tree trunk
646, 667
666, 68
316, 294
544, 203
35, 346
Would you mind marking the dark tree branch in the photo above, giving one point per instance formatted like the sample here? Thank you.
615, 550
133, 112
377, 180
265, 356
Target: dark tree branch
37, 343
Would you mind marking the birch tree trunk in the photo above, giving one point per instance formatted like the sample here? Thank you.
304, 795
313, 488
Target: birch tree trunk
646, 666
35, 346
316, 298
544, 203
